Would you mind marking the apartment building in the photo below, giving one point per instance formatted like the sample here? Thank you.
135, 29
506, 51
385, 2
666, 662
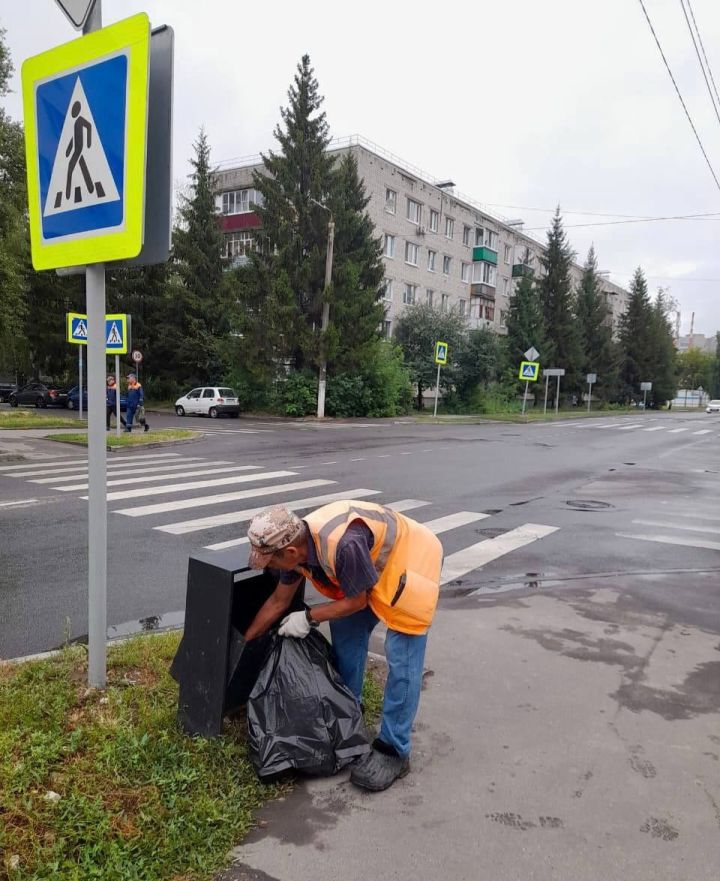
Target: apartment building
439, 247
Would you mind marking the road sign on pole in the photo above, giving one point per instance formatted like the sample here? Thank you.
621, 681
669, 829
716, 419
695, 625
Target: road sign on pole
554, 371
441, 353
137, 356
646, 387
529, 371
532, 354
76, 11
85, 106
591, 379
116, 331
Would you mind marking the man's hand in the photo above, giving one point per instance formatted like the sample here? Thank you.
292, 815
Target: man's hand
295, 624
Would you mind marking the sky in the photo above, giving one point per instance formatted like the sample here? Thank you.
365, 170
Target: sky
525, 105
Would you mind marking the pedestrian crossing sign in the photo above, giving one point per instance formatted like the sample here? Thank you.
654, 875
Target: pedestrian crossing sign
116, 332
529, 370
85, 106
441, 353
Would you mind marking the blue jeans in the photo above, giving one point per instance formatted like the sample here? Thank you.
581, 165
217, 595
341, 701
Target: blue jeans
129, 416
404, 654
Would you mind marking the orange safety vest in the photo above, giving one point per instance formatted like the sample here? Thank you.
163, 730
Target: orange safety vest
407, 557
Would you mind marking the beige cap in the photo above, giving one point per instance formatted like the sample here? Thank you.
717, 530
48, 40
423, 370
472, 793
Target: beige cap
271, 531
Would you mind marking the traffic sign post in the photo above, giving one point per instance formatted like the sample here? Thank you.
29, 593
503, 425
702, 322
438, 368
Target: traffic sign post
85, 108
441, 357
558, 372
529, 371
646, 387
591, 379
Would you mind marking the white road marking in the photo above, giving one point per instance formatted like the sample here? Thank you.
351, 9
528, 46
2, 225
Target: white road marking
204, 501
655, 428
703, 431
144, 491
362, 459
148, 478
334, 462
475, 556
453, 521
240, 516
695, 516
123, 470
26, 465
673, 540
660, 524
18, 504
384, 456
36, 471
406, 505
677, 430
629, 427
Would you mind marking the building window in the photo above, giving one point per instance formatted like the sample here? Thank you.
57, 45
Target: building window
389, 246
445, 303
434, 217
411, 253
486, 238
503, 317
388, 290
490, 313
447, 263
462, 306
465, 272
387, 329
449, 227
390, 201
508, 254
429, 296
238, 244
431, 261
409, 294
466, 235
484, 273
240, 201
414, 211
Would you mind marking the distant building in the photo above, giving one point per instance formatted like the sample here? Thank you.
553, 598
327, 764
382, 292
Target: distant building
699, 341
439, 247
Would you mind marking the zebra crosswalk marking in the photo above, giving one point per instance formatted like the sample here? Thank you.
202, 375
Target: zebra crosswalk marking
143, 492
655, 428
204, 501
406, 505
149, 478
26, 465
453, 521
35, 471
123, 471
233, 517
629, 427
703, 431
475, 556
677, 430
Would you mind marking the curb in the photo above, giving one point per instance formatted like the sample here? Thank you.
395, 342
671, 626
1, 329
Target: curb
149, 446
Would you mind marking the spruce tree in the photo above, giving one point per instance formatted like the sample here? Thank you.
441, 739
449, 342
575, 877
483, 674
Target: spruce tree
662, 366
635, 339
595, 332
525, 325
197, 316
562, 347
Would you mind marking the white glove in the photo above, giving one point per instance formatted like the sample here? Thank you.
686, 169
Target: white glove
295, 624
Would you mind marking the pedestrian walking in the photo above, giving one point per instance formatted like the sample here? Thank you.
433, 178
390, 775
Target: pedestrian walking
135, 404
111, 401
373, 564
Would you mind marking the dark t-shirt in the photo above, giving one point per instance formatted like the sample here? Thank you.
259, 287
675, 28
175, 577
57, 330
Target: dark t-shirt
354, 567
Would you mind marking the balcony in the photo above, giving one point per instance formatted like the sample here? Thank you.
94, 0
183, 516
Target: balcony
486, 291
486, 255
522, 270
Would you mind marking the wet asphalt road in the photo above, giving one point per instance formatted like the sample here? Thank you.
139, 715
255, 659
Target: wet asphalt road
616, 503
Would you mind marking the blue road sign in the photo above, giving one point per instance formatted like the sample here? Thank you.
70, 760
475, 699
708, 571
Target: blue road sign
116, 332
78, 329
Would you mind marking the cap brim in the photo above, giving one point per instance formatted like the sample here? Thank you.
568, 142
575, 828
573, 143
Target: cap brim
259, 559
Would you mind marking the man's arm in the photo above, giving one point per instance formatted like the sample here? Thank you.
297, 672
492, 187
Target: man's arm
277, 603
338, 608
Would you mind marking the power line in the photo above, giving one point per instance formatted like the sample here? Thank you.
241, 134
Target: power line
702, 66
564, 212
687, 113
619, 222
707, 63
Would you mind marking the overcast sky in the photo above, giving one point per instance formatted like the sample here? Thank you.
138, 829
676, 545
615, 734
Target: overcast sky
524, 104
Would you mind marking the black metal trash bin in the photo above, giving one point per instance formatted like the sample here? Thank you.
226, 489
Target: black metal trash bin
214, 666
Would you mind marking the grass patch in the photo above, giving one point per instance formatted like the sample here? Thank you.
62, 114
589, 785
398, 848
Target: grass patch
31, 419
530, 416
136, 439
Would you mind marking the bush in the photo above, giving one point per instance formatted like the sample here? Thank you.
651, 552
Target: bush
296, 395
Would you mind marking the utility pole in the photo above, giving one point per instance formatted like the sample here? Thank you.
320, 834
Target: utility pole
322, 374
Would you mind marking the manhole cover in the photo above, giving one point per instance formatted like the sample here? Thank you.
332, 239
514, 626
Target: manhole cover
587, 505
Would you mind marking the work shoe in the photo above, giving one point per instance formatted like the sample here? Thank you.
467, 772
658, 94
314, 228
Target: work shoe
377, 771
147, 427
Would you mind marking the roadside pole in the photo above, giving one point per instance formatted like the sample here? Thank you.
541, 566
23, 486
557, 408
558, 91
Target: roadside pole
437, 392
117, 396
441, 358
645, 387
322, 377
547, 383
527, 383
80, 380
591, 379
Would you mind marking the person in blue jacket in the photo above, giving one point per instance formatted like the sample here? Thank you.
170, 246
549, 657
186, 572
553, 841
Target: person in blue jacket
135, 401
111, 401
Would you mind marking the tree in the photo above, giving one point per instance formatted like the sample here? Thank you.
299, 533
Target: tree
525, 324
562, 347
714, 387
635, 337
417, 330
196, 314
695, 369
662, 366
477, 361
594, 330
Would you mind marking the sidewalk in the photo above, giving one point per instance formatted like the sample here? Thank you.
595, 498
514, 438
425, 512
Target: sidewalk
559, 737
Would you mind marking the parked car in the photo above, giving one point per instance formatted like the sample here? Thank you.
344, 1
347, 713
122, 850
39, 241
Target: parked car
73, 399
713, 407
40, 394
212, 401
6, 389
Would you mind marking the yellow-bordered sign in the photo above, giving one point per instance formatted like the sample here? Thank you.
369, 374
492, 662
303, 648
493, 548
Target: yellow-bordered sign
441, 353
116, 332
529, 370
85, 106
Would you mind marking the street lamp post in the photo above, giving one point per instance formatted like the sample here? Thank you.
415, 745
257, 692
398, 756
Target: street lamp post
322, 373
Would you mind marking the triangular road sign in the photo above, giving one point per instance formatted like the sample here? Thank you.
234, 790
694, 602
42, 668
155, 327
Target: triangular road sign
77, 11
80, 332
529, 371
81, 175
114, 337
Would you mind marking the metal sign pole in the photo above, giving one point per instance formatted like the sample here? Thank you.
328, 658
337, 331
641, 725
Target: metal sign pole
97, 459
645, 400
547, 383
117, 396
527, 383
80, 378
557, 397
437, 392
589, 395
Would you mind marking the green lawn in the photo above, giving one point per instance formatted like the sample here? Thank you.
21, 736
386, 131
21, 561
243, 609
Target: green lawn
103, 784
136, 439
33, 419
531, 415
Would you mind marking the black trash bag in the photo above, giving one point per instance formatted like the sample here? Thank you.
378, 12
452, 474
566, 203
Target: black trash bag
300, 713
